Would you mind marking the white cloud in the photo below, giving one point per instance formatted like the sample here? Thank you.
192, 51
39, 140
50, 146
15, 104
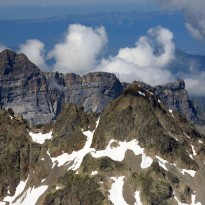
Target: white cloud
156, 49
2, 47
195, 84
34, 50
193, 12
147, 61
194, 32
79, 50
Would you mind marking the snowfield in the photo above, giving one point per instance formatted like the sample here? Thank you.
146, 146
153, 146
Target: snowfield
117, 153
116, 191
40, 138
137, 197
19, 189
75, 158
115, 150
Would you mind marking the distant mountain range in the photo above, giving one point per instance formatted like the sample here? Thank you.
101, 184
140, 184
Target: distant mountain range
123, 28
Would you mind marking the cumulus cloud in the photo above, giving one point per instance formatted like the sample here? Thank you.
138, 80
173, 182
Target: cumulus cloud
34, 50
196, 84
156, 49
193, 12
147, 61
79, 50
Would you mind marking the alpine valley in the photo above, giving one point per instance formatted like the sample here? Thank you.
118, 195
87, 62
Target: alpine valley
67, 139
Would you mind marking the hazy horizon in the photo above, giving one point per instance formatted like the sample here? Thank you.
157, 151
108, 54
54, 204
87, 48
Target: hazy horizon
46, 11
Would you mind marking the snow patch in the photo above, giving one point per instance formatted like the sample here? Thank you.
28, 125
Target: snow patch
146, 161
93, 173
116, 191
200, 141
173, 136
40, 138
141, 93
31, 196
191, 156
137, 198
162, 162
187, 135
171, 111
193, 199
193, 150
76, 157
19, 190
43, 180
118, 153
58, 187
190, 172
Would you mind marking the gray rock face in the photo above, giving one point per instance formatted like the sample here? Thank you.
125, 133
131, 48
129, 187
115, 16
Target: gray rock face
175, 97
23, 88
39, 96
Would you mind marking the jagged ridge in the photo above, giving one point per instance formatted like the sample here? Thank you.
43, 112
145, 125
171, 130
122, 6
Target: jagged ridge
39, 96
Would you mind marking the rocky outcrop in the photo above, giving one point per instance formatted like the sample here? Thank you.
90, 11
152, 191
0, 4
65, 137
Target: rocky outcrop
23, 88
175, 97
39, 96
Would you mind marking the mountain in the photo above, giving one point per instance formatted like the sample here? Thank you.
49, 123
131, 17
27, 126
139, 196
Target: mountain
39, 96
136, 152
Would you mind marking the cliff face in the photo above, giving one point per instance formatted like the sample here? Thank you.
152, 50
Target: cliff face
23, 88
39, 96
175, 97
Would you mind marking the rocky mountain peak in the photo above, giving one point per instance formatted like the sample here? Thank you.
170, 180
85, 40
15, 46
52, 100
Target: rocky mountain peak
16, 65
177, 85
175, 97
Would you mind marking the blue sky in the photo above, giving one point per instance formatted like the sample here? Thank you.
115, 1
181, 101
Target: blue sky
9, 9
65, 2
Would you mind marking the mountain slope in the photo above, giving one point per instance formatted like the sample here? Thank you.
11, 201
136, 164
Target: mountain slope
137, 151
